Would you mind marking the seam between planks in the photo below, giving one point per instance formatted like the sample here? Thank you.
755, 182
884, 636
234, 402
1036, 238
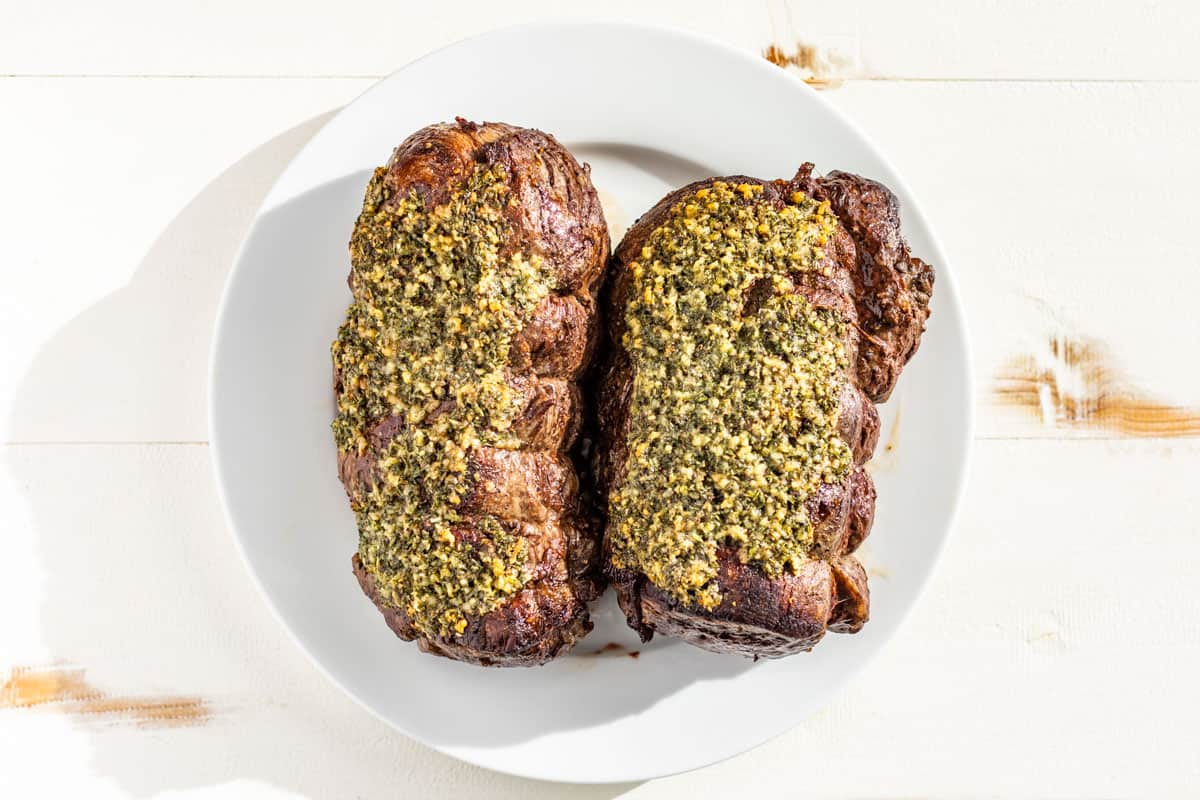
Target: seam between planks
379, 76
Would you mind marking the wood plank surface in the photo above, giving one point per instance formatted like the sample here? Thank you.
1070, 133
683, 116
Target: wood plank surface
1047, 656
1052, 144
1008, 171
942, 39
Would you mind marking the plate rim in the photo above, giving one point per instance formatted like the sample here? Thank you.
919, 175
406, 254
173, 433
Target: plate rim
946, 283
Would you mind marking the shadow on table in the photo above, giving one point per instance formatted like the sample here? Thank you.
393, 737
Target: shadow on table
275, 320
273, 718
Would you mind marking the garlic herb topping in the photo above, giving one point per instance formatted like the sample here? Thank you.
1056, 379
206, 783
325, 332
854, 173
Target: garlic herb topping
426, 343
734, 411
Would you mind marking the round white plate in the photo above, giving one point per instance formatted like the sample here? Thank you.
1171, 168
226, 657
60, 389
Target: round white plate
650, 110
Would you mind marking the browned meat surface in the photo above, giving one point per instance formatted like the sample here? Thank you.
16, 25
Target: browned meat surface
892, 287
531, 489
883, 293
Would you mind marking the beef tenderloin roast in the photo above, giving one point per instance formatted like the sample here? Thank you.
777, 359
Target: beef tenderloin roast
475, 267
861, 271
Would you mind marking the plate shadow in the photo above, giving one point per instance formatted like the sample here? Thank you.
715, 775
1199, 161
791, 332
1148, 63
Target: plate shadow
141, 354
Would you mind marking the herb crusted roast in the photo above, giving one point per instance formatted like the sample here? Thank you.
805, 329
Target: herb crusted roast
752, 326
474, 269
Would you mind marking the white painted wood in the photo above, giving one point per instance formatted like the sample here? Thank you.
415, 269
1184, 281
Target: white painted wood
977, 39
1047, 196
1064, 207
122, 565
1049, 657
1069, 39
1054, 146
123, 205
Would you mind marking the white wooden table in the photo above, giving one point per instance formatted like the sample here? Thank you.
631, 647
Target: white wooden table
1056, 147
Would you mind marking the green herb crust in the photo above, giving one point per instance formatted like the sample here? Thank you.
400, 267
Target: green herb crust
734, 410
438, 302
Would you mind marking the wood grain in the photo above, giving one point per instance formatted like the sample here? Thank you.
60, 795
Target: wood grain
1052, 144
819, 68
1030, 264
66, 690
1072, 383
118, 558
1070, 639
107, 330
935, 39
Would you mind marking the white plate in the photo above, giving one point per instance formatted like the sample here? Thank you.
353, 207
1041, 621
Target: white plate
650, 110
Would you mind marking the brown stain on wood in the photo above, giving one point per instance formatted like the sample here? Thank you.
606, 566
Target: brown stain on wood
609, 648
67, 690
634, 653
1075, 386
810, 60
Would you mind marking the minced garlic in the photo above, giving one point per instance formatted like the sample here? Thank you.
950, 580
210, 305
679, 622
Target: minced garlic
733, 417
427, 340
